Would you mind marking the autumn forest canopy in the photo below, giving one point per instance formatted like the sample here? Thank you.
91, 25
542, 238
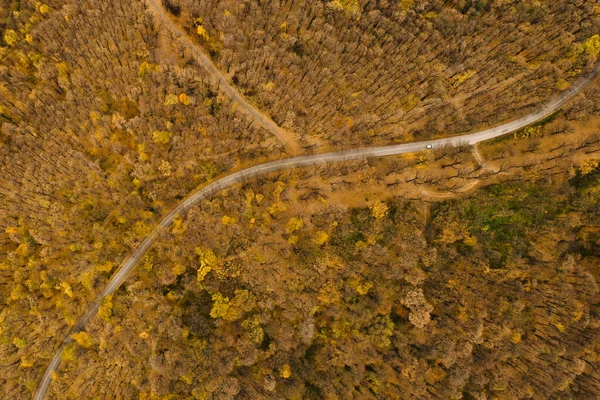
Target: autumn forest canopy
459, 272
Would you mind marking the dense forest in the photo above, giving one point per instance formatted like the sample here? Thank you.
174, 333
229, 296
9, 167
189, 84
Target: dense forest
337, 282
449, 274
365, 71
98, 139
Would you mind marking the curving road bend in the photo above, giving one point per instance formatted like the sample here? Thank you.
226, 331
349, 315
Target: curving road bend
287, 138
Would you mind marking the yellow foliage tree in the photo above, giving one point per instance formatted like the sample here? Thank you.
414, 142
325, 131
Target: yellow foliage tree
105, 310
87, 280
10, 37
592, 46
19, 342
329, 293
351, 7
362, 287
171, 100
294, 224
141, 148
68, 353
17, 292
202, 32
227, 220
178, 269
220, 306
82, 338
185, 99
208, 260
106, 267
162, 137
231, 310
286, 371
26, 362
278, 190
66, 288
255, 331
406, 4
146, 67
515, 338
321, 238
379, 210
207, 257
465, 76
293, 240
588, 166
178, 225
277, 208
